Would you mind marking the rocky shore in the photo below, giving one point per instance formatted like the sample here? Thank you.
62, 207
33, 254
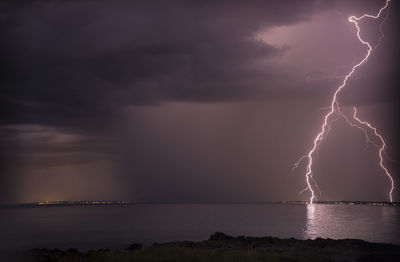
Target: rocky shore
221, 247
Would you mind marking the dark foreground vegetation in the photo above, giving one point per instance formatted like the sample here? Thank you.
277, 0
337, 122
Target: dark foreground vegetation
221, 247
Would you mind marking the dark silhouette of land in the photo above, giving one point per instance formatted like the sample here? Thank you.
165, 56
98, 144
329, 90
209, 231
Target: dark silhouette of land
104, 203
221, 247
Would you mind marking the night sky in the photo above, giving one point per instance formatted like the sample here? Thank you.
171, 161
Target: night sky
191, 101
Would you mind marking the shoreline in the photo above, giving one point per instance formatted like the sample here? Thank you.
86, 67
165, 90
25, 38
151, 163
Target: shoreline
127, 203
222, 247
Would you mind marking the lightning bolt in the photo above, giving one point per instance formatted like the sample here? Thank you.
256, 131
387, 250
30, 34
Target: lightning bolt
381, 149
336, 112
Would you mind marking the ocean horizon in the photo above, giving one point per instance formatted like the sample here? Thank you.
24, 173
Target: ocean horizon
87, 227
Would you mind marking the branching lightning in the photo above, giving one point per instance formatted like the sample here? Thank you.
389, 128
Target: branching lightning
335, 113
381, 150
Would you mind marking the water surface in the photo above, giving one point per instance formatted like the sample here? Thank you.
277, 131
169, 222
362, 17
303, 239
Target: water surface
93, 227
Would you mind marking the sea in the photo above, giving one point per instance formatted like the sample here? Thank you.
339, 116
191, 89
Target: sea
117, 226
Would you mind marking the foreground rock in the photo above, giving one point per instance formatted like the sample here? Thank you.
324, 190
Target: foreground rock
221, 247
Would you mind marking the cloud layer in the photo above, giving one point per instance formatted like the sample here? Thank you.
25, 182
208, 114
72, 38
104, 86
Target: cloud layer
92, 82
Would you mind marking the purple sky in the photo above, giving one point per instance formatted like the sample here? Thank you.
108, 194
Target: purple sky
191, 102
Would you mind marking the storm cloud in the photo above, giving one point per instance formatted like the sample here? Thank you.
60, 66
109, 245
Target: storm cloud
167, 100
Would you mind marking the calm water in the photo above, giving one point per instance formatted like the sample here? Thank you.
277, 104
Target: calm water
117, 226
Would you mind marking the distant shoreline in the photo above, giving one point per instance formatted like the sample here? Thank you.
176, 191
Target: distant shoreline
119, 203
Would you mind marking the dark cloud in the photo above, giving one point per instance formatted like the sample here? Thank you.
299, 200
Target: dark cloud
160, 87
72, 59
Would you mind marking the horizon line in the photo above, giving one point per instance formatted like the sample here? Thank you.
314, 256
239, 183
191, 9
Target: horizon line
124, 202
